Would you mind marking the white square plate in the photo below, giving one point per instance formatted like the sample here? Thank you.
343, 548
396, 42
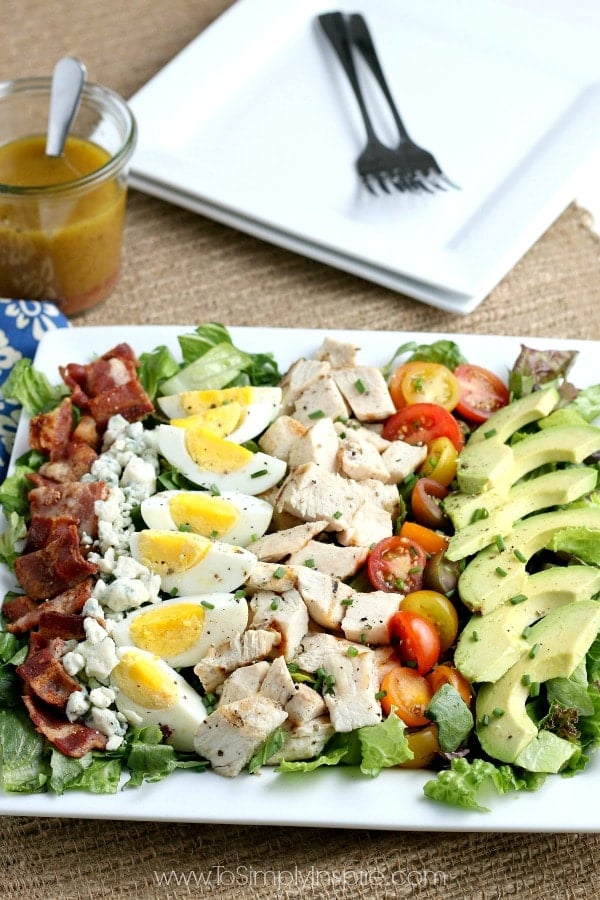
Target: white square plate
254, 124
328, 797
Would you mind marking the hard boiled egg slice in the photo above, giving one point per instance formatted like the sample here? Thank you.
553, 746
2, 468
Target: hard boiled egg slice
239, 413
181, 630
190, 563
217, 463
151, 691
231, 517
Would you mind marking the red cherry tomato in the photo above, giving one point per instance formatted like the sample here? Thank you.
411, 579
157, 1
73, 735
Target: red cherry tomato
425, 501
421, 423
415, 640
396, 564
481, 392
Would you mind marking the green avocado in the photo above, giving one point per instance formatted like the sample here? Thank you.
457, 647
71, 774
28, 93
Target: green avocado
478, 530
498, 574
489, 645
504, 728
505, 421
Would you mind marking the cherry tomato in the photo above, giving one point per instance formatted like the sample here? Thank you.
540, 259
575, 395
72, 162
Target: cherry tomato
441, 574
481, 392
422, 423
415, 640
442, 675
438, 610
425, 746
431, 541
424, 382
396, 564
425, 502
407, 694
441, 461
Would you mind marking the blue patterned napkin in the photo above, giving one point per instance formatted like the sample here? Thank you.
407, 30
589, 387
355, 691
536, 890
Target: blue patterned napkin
22, 324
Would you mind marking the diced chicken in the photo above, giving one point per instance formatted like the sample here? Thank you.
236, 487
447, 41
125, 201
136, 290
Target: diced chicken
380, 494
271, 577
244, 682
401, 459
280, 544
329, 559
311, 494
306, 704
281, 436
321, 399
316, 647
385, 661
338, 353
369, 524
278, 685
286, 614
249, 647
318, 445
325, 597
366, 391
299, 377
230, 735
305, 741
358, 458
367, 618
370, 432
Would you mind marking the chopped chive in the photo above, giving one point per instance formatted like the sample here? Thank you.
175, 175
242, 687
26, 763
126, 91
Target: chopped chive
215, 490
499, 541
534, 651
358, 384
478, 514
347, 601
498, 712
337, 514
380, 695
275, 603
254, 536
309, 563
399, 584
184, 527
214, 534
490, 433
352, 651
259, 473
342, 434
363, 638
474, 636
485, 719
279, 572
317, 414
208, 605
520, 556
526, 631
416, 570
526, 680
534, 689
518, 598
240, 594
501, 572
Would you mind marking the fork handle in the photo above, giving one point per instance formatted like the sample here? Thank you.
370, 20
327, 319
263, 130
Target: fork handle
334, 26
360, 35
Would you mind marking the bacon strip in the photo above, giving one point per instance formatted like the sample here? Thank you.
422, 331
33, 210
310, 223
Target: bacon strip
46, 677
51, 432
75, 499
71, 738
57, 566
69, 602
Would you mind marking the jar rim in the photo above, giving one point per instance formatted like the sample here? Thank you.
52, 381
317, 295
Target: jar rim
96, 96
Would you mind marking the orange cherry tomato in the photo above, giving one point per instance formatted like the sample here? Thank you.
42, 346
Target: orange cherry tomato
407, 694
438, 610
442, 675
415, 640
422, 423
424, 382
429, 540
425, 746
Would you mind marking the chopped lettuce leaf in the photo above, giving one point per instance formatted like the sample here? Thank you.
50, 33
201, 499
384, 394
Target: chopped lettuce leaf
329, 757
582, 543
587, 403
445, 352
31, 389
151, 760
383, 746
461, 783
156, 367
95, 773
269, 747
536, 368
452, 716
196, 344
24, 769
10, 540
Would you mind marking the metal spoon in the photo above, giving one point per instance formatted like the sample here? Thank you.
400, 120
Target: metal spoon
68, 79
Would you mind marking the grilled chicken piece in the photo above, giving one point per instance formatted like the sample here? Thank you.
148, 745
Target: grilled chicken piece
249, 647
285, 614
321, 399
338, 354
324, 597
329, 559
244, 682
230, 735
305, 705
278, 685
367, 618
401, 459
312, 494
271, 577
299, 377
281, 436
366, 391
304, 741
359, 458
276, 546
318, 445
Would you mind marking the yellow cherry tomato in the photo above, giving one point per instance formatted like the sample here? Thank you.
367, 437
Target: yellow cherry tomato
425, 746
438, 610
424, 382
441, 461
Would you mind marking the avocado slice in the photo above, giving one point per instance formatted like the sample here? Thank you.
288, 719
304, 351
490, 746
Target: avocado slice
562, 639
489, 645
551, 489
505, 421
496, 575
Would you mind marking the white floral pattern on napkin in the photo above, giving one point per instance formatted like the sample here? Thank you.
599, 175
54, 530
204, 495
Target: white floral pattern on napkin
22, 324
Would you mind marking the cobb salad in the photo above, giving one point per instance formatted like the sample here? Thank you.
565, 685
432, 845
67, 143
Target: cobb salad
341, 587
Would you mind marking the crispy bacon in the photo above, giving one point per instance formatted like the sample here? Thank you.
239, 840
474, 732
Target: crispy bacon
86, 431
77, 461
14, 608
75, 499
130, 400
67, 626
69, 602
46, 677
50, 432
57, 566
71, 738
43, 530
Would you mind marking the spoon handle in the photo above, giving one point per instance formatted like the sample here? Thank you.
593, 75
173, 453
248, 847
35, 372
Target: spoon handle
67, 84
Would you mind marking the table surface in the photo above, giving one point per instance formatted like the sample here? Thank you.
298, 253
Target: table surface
180, 268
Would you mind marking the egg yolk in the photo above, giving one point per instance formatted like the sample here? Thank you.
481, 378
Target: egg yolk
214, 453
210, 516
201, 401
222, 420
144, 682
168, 631
166, 552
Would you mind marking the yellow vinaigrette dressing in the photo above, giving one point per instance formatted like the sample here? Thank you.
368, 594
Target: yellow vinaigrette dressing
63, 244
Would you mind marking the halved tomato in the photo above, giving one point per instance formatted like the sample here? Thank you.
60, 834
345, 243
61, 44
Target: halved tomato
415, 640
424, 382
396, 564
422, 423
438, 610
442, 675
441, 461
407, 694
481, 392
426, 503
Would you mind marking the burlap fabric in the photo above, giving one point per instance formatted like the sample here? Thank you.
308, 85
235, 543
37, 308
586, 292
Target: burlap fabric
181, 268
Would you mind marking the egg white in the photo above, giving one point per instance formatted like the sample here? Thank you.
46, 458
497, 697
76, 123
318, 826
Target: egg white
258, 407
190, 563
181, 630
150, 690
231, 517
225, 466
